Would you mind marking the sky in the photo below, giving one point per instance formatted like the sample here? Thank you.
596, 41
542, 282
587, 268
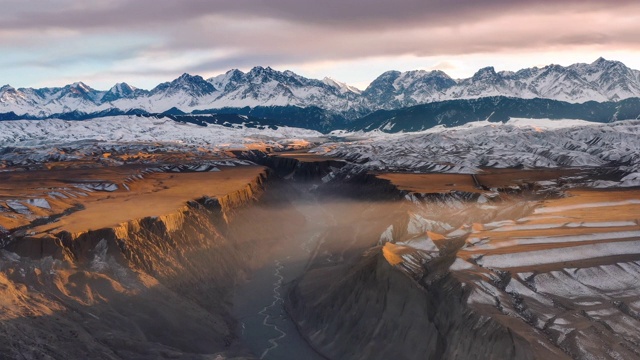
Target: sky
146, 42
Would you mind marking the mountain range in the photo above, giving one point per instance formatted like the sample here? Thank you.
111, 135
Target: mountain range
600, 81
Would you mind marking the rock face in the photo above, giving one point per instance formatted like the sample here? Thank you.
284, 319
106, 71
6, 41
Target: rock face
440, 282
506, 264
380, 309
385, 314
151, 288
297, 169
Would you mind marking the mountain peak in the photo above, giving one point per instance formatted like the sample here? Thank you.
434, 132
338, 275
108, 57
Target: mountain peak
79, 85
79, 89
486, 70
390, 73
122, 89
600, 60
234, 72
603, 63
259, 70
121, 86
119, 91
342, 87
189, 77
439, 73
192, 85
602, 80
228, 80
485, 74
261, 74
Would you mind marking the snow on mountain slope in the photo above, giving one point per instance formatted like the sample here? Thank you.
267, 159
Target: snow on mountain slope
121, 91
395, 89
601, 80
228, 80
127, 129
18, 101
268, 87
343, 87
613, 78
529, 143
185, 92
46, 101
487, 82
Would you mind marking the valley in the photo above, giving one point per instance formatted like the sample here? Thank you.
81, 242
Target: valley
273, 255
291, 180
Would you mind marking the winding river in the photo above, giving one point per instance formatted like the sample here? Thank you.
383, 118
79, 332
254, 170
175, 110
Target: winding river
264, 325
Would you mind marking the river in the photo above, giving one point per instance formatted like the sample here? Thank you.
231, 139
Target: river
264, 326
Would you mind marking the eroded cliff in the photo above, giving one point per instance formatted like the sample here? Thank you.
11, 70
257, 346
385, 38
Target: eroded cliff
481, 270
155, 287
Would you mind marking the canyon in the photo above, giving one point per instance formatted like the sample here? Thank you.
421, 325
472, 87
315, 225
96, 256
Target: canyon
191, 181
252, 253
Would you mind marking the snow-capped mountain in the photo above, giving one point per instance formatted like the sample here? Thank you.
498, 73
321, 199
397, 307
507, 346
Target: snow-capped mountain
193, 86
343, 87
16, 100
600, 81
395, 89
122, 91
258, 87
42, 102
268, 87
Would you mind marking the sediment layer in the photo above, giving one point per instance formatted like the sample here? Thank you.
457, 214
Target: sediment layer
154, 287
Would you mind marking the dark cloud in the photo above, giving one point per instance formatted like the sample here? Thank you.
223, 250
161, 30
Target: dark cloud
519, 31
244, 33
338, 13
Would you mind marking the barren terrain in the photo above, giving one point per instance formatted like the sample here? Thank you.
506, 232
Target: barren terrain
271, 255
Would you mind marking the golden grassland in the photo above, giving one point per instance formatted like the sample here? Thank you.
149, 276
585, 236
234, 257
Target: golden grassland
148, 194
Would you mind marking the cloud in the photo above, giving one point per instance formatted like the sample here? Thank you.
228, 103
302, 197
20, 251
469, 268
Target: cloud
282, 41
330, 13
211, 36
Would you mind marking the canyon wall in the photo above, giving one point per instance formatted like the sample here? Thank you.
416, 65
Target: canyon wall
157, 287
377, 304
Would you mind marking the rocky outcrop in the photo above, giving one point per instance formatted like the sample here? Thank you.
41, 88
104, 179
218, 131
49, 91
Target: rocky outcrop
409, 305
204, 215
387, 279
292, 168
157, 287
376, 312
